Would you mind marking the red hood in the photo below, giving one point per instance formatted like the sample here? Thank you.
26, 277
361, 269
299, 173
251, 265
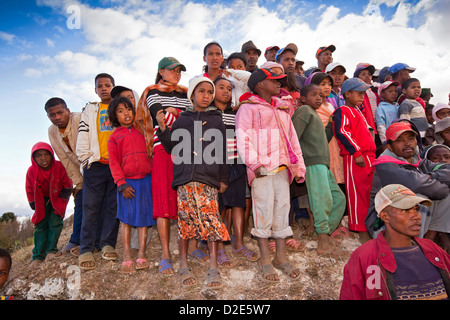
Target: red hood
389, 159
41, 146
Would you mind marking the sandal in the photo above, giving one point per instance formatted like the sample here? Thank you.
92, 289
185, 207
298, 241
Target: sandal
288, 269
187, 274
127, 267
75, 251
272, 247
166, 264
340, 233
247, 253
294, 245
198, 255
141, 264
108, 253
268, 270
223, 259
86, 257
214, 277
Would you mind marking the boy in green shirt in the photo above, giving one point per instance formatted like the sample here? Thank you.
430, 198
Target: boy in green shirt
326, 200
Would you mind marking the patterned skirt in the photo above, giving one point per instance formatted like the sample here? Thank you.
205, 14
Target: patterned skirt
198, 213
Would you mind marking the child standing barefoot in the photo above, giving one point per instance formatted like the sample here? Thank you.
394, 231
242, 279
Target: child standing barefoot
200, 173
131, 169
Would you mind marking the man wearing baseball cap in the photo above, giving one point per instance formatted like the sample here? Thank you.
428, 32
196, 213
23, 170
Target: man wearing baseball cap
400, 72
401, 163
324, 56
271, 52
398, 264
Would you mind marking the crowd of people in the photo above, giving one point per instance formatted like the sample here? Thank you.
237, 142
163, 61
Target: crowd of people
245, 137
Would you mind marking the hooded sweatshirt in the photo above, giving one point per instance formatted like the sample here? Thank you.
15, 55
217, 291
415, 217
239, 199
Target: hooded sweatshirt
53, 183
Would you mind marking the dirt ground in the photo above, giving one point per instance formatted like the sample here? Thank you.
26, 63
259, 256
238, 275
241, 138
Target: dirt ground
61, 279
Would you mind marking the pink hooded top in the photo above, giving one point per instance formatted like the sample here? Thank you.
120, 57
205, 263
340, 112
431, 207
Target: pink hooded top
51, 183
266, 136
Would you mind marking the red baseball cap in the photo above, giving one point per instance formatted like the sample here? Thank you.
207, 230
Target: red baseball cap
396, 129
261, 74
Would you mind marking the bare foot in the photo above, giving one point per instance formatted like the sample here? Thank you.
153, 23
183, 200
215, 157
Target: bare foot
35, 263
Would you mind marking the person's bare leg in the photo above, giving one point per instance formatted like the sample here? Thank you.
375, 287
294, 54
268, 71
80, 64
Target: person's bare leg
265, 257
163, 225
126, 238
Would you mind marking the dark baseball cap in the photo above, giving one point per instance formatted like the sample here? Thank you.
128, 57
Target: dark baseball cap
262, 74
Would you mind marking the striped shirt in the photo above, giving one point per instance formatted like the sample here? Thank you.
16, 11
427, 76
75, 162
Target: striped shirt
159, 100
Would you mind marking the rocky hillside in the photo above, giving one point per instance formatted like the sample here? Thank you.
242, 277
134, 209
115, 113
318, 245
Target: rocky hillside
61, 279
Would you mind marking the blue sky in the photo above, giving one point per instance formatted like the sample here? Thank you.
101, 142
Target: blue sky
40, 57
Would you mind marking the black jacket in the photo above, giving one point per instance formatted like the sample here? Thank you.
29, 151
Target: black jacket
197, 143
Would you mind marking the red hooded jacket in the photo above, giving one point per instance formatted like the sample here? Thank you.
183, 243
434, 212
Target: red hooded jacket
59, 184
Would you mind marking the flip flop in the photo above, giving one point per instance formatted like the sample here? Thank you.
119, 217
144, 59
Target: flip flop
107, 250
165, 264
222, 258
198, 255
267, 270
294, 245
86, 257
141, 264
129, 265
287, 268
214, 277
186, 274
246, 253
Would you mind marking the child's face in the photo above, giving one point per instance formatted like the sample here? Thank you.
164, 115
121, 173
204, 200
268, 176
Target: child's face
128, 94
365, 76
443, 113
103, 87
441, 155
43, 158
446, 136
354, 98
236, 64
4, 271
413, 91
325, 84
338, 76
214, 57
313, 98
223, 91
59, 115
203, 95
124, 115
171, 76
389, 94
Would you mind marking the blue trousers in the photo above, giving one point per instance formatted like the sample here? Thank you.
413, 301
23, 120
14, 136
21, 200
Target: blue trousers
99, 208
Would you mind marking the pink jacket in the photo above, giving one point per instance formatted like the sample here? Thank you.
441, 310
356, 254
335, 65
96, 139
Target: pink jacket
266, 137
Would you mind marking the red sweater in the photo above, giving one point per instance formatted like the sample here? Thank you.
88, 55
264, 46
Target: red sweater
376, 255
128, 157
53, 183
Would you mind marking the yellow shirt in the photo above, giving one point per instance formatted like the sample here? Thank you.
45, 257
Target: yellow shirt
104, 130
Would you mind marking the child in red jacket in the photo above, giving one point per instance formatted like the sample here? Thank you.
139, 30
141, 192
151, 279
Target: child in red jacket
48, 191
357, 148
131, 169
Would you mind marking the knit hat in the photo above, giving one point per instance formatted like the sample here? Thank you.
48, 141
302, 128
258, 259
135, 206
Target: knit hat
194, 82
438, 107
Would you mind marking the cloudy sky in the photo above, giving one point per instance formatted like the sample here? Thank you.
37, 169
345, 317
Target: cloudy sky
54, 48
